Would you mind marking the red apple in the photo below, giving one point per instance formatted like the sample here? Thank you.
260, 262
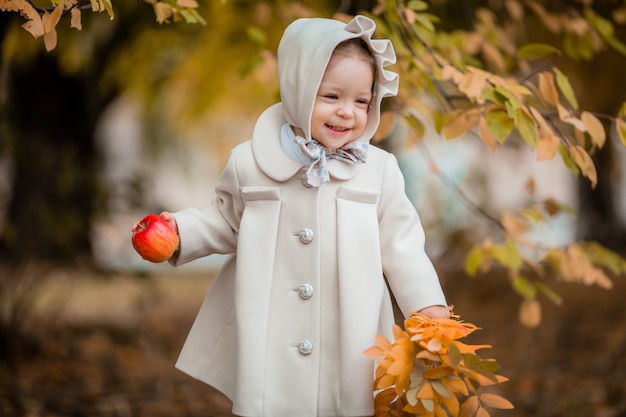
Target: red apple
155, 239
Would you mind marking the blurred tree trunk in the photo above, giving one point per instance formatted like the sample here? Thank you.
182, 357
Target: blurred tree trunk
54, 177
599, 219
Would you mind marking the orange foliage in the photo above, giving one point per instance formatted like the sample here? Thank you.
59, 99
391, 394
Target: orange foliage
427, 369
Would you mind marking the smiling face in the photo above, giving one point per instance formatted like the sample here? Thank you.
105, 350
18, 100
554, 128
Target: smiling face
341, 106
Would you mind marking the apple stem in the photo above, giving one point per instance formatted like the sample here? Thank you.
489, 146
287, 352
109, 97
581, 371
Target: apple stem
144, 225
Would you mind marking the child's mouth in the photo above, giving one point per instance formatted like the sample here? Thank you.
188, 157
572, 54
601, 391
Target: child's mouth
337, 129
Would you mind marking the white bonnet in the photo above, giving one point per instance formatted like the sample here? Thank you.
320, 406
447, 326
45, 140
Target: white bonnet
303, 54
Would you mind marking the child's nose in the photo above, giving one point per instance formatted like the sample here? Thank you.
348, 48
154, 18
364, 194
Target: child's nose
346, 110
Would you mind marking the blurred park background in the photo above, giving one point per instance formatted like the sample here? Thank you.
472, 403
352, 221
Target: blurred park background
128, 117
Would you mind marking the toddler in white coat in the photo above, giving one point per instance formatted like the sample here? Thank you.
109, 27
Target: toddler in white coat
318, 228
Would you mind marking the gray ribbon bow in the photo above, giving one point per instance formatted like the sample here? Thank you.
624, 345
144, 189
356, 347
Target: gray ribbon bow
317, 171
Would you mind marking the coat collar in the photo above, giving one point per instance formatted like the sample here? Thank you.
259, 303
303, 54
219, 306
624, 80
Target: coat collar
273, 161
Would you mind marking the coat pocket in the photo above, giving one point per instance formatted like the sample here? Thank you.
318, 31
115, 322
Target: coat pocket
259, 193
358, 195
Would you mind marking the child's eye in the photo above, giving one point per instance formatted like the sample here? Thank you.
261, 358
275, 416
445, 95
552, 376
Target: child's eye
331, 96
363, 102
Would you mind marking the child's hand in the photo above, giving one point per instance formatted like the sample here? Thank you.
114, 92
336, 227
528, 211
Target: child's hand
436, 312
170, 219
165, 216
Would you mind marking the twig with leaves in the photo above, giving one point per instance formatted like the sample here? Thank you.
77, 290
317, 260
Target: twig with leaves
427, 371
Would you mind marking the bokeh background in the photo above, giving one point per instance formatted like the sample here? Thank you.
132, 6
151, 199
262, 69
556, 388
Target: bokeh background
128, 117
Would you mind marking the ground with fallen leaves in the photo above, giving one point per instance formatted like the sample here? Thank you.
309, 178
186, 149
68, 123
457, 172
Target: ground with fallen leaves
97, 345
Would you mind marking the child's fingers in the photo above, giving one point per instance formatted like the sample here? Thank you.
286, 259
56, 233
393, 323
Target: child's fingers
170, 219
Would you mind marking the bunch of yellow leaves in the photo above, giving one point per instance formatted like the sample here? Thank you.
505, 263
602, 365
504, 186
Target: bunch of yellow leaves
427, 371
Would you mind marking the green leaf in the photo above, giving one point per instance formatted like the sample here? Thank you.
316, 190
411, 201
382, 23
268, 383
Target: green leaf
606, 29
507, 255
256, 35
523, 287
510, 97
566, 88
499, 123
474, 261
569, 162
428, 404
549, 292
417, 5
416, 124
526, 127
454, 354
440, 388
537, 50
490, 94
411, 396
249, 65
425, 21
605, 257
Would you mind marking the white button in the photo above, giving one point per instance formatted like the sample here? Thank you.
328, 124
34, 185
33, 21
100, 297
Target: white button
305, 347
305, 291
306, 235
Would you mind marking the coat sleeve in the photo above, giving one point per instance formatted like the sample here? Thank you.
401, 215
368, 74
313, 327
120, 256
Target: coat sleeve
410, 273
215, 228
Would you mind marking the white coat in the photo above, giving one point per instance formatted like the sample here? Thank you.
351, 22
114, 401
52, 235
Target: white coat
303, 292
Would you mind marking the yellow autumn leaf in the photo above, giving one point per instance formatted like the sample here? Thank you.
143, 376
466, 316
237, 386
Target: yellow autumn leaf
585, 163
536, 50
163, 12
459, 123
547, 88
507, 255
472, 85
495, 401
97, 5
533, 213
51, 20
485, 135
8, 6
439, 372
476, 261
594, 128
50, 39
190, 4
566, 88
452, 404
450, 72
591, 275
526, 126
554, 207
493, 57
469, 407
34, 25
530, 313
481, 412
563, 112
547, 147
426, 391
576, 122
108, 6
514, 225
76, 21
